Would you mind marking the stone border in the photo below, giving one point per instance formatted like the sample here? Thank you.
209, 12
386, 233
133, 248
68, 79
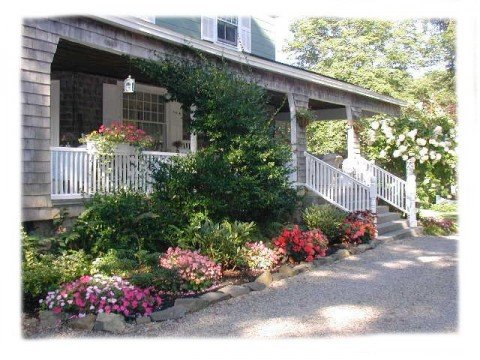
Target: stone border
115, 323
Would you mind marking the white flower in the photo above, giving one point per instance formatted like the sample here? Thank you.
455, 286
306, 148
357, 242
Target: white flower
411, 134
40, 301
375, 125
383, 153
442, 143
401, 137
438, 156
421, 142
437, 130
423, 151
419, 106
396, 153
402, 148
432, 141
404, 157
92, 307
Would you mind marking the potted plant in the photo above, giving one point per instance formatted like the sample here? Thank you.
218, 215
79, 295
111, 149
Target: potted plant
118, 138
304, 117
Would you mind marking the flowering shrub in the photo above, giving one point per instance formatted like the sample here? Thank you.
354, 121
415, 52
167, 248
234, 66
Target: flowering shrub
258, 256
432, 226
106, 138
99, 294
302, 245
426, 134
197, 272
359, 227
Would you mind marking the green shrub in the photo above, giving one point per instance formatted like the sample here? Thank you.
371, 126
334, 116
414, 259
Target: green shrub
122, 220
221, 242
113, 263
445, 207
45, 272
160, 278
328, 219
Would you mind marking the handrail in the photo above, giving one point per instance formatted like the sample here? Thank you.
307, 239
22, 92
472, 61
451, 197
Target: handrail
337, 187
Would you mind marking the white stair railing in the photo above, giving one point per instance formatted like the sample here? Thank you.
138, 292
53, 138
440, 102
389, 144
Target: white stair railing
337, 187
397, 192
77, 173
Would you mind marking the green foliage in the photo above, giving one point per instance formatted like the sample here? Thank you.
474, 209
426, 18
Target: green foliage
240, 175
112, 263
445, 207
328, 219
161, 278
122, 220
324, 137
221, 242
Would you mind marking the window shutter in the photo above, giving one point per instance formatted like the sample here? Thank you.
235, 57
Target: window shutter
245, 33
209, 28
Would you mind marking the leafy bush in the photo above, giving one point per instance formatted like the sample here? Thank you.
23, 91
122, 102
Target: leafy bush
45, 272
302, 245
328, 219
113, 264
445, 207
432, 226
258, 256
221, 242
99, 294
197, 272
359, 227
241, 175
122, 220
160, 278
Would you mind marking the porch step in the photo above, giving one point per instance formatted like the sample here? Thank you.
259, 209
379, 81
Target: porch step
387, 217
381, 209
390, 226
400, 234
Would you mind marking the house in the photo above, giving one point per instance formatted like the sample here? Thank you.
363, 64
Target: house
72, 75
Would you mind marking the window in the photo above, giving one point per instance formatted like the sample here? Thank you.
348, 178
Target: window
227, 29
147, 112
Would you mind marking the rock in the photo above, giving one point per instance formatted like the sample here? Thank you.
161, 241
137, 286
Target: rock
265, 278
214, 297
277, 277
286, 271
171, 313
342, 254
255, 286
327, 260
143, 320
362, 248
192, 304
114, 323
49, 320
374, 243
235, 290
302, 267
82, 323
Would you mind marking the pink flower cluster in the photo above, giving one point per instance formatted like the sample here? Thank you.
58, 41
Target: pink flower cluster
258, 256
97, 294
118, 132
198, 272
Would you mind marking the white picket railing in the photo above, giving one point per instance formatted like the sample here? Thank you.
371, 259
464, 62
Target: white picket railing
338, 187
77, 173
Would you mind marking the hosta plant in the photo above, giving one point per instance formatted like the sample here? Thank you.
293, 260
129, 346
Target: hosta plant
198, 272
258, 256
301, 245
98, 294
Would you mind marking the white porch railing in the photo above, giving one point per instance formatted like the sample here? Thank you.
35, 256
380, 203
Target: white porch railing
397, 192
338, 187
76, 173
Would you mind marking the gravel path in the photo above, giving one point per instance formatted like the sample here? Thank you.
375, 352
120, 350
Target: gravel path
406, 286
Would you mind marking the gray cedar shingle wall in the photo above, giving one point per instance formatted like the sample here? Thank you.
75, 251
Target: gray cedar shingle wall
38, 48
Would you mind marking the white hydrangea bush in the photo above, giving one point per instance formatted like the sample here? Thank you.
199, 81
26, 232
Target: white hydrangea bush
428, 137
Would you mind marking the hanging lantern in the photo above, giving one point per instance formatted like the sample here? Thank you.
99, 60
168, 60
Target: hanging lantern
129, 85
168, 96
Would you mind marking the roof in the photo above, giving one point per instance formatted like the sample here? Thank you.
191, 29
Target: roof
141, 26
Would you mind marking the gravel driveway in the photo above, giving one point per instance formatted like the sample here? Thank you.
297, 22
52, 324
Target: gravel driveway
406, 286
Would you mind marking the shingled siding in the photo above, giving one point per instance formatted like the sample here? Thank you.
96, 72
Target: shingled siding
38, 48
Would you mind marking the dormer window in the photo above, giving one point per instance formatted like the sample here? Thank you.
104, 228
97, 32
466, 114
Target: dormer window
227, 29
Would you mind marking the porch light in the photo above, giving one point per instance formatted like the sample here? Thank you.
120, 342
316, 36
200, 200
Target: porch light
129, 85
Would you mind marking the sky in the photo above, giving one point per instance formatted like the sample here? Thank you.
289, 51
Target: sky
282, 35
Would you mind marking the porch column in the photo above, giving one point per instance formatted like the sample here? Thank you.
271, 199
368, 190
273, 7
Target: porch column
353, 144
298, 137
193, 136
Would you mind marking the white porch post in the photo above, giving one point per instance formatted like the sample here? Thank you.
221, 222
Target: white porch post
353, 144
298, 138
411, 193
373, 194
193, 136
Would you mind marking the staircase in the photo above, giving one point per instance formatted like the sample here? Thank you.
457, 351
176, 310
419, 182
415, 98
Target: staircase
361, 189
391, 226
